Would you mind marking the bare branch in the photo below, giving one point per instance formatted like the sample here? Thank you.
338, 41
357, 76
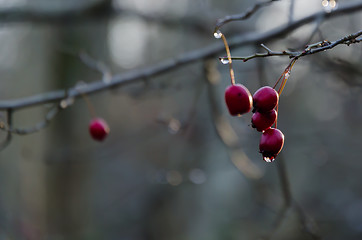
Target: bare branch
77, 10
325, 45
24, 131
80, 11
242, 16
309, 50
96, 65
269, 53
9, 122
168, 65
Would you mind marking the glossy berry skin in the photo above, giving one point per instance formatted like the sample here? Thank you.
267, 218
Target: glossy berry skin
98, 129
265, 99
263, 120
238, 99
271, 143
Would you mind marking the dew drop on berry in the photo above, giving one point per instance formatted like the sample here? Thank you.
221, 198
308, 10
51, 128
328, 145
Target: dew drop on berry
217, 34
268, 159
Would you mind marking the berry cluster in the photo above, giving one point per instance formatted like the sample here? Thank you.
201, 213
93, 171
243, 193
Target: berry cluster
239, 101
265, 106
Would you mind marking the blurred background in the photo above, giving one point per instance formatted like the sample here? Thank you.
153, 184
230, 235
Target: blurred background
175, 164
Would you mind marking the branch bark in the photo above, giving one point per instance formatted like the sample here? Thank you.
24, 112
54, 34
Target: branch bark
181, 60
46, 13
309, 50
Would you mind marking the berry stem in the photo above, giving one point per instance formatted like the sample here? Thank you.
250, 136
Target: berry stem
277, 82
232, 76
92, 112
284, 77
276, 120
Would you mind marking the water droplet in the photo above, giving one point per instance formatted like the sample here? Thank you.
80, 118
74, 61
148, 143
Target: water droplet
217, 34
268, 159
174, 126
224, 60
287, 74
67, 102
329, 5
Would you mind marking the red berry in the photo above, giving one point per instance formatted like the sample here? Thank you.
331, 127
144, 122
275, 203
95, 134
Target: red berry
271, 143
238, 99
263, 120
98, 129
265, 99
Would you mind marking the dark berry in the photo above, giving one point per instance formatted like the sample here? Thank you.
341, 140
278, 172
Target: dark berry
98, 129
271, 143
265, 99
238, 99
263, 120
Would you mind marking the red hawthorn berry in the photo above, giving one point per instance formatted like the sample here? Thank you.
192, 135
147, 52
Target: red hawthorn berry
98, 129
238, 99
265, 99
271, 143
263, 120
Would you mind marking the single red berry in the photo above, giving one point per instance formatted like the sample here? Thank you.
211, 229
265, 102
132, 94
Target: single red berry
263, 120
98, 129
265, 99
238, 99
271, 143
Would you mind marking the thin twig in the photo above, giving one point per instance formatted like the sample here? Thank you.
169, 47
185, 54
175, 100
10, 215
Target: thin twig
96, 65
9, 122
308, 224
181, 60
284, 181
269, 53
309, 50
37, 127
242, 16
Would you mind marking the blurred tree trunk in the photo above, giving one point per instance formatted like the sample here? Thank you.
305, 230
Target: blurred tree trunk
67, 175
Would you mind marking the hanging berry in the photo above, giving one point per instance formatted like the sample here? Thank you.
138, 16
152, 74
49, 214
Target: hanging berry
263, 120
98, 129
265, 99
238, 99
271, 143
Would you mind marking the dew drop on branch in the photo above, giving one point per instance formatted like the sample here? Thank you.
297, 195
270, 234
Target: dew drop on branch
67, 102
224, 60
217, 34
174, 126
329, 5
